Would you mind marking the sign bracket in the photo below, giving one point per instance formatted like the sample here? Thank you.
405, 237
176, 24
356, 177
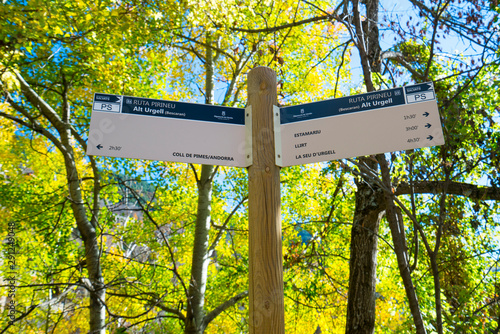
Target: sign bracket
248, 136
277, 136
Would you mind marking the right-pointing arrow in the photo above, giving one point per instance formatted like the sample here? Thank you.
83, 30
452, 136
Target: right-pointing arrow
426, 114
427, 86
430, 137
428, 125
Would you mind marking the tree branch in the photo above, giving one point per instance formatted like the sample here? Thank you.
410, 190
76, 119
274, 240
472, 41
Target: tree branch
222, 307
452, 25
205, 45
223, 227
161, 306
395, 219
398, 57
165, 239
41, 105
470, 191
286, 26
37, 128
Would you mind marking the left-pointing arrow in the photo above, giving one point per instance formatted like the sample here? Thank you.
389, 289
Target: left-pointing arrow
99, 146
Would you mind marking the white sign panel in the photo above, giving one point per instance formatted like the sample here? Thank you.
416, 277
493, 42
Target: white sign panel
131, 127
383, 121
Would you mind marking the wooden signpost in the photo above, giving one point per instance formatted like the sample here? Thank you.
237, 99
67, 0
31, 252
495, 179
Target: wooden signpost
267, 313
263, 137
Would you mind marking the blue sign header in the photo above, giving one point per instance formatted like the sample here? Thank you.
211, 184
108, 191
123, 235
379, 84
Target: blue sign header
168, 109
355, 103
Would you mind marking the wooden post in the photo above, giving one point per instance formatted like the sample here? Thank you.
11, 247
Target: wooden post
267, 315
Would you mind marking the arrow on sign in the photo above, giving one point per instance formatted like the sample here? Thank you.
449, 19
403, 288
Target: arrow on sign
428, 125
426, 86
421, 88
430, 137
426, 114
99, 146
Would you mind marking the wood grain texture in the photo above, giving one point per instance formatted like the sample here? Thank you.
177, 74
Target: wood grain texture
264, 211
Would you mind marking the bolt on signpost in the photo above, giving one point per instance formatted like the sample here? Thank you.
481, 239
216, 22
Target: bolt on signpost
264, 138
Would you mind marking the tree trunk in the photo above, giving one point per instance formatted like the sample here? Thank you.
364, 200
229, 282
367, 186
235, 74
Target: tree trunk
437, 292
363, 258
195, 323
361, 301
396, 225
369, 197
97, 312
197, 285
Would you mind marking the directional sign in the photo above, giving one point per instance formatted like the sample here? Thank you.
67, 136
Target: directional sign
132, 127
383, 121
